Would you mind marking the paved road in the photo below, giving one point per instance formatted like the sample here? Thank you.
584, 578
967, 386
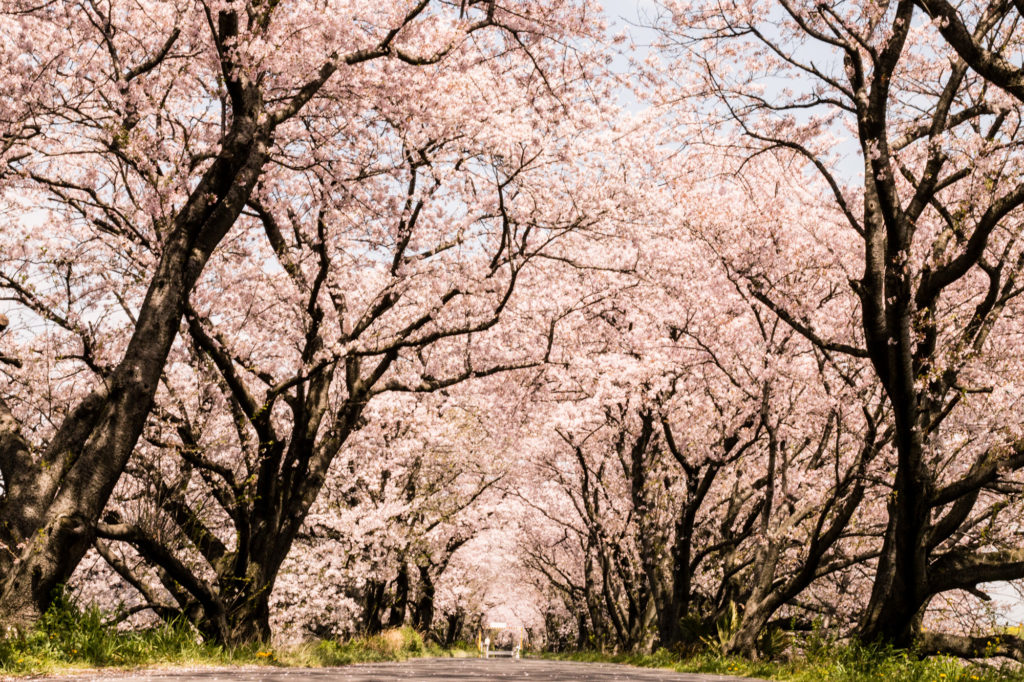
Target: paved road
430, 670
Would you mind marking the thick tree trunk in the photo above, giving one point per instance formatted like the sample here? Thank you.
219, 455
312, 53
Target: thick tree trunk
423, 615
455, 622
250, 623
894, 607
23, 511
373, 607
592, 593
647, 630
582, 631
753, 621
75, 476
678, 604
759, 606
743, 642
901, 579
400, 604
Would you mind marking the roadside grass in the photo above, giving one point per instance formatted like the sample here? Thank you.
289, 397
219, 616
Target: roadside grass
68, 639
390, 645
820, 662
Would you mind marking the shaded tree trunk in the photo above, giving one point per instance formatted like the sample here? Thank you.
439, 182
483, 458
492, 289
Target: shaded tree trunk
400, 603
423, 614
50, 506
454, 623
373, 606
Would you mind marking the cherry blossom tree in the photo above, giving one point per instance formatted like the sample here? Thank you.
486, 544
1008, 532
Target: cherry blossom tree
933, 222
402, 303
393, 266
153, 139
705, 459
385, 529
985, 37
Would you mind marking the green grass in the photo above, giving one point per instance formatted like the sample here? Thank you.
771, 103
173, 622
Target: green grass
820, 663
68, 638
390, 645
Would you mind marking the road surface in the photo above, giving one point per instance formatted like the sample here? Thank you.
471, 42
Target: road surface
427, 669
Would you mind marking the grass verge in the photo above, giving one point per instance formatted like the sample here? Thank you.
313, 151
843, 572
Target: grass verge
820, 663
67, 639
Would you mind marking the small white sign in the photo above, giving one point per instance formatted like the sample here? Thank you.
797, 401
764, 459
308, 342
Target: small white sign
497, 626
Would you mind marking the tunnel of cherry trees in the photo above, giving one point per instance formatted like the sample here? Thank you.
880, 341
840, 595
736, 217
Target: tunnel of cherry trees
633, 325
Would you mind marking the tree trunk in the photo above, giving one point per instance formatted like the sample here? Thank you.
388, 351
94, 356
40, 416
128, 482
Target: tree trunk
399, 605
423, 617
83, 462
743, 641
677, 605
582, 631
373, 606
894, 607
901, 580
456, 621
250, 623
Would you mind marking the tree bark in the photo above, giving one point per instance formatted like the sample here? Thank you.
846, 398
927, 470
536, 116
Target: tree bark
400, 603
423, 615
72, 481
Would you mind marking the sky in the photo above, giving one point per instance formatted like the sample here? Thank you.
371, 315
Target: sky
632, 15
628, 9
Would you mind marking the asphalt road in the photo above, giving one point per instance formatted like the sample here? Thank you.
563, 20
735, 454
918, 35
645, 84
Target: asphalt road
429, 669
